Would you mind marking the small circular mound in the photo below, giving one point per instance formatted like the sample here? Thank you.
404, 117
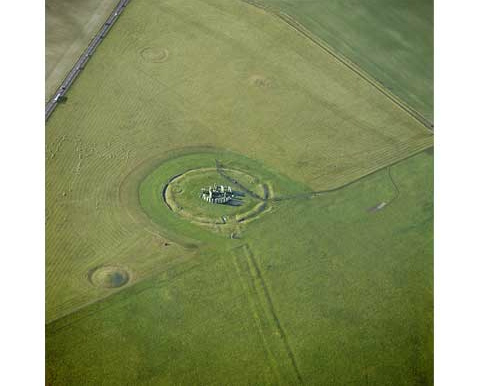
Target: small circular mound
154, 55
108, 277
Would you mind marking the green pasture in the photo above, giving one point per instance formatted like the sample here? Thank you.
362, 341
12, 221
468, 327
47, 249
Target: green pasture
235, 78
173, 223
69, 26
392, 40
355, 288
352, 290
319, 289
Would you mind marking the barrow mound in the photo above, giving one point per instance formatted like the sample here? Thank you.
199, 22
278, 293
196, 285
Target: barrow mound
108, 276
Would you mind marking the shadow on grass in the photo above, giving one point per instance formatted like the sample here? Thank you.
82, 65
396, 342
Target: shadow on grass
234, 202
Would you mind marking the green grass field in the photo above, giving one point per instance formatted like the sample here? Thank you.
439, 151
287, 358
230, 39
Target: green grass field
69, 27
330, 284
392, 40
353, 297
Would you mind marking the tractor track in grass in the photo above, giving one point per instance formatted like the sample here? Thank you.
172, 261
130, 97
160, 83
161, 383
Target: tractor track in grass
286, 18
271, 307
395, 186
84, 58
260, 290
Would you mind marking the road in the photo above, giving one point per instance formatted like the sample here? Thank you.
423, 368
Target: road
82, 61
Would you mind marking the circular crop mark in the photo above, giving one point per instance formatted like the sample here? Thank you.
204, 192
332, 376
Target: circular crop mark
154, 55
108, 277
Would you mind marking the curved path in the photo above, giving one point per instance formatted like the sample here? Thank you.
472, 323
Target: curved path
309, 195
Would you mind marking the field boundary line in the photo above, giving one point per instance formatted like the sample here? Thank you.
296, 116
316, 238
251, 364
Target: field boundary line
344, 60
314, 193
84, 58
132, 287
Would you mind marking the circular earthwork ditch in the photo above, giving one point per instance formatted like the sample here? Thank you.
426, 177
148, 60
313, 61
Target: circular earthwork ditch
182, 196
154, 54
108, 276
